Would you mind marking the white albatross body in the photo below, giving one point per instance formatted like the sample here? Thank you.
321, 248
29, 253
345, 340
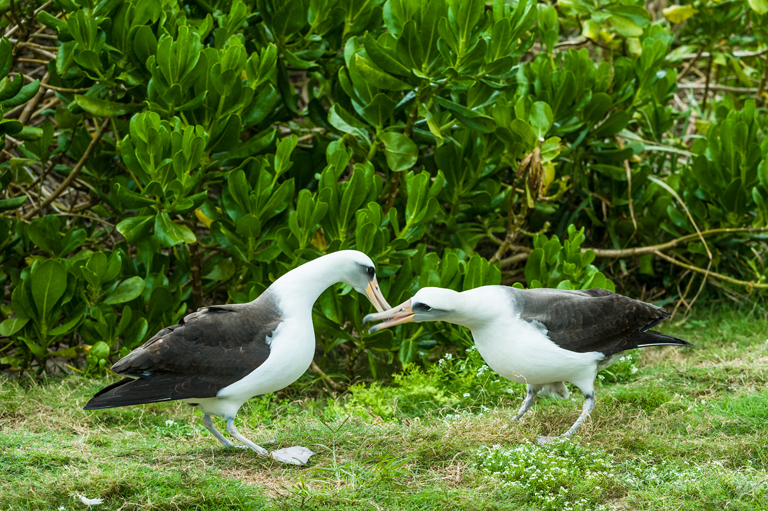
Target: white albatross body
220, 356
541, 337
519, 350
290, 355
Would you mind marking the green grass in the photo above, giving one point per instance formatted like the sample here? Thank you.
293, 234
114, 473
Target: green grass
672, 429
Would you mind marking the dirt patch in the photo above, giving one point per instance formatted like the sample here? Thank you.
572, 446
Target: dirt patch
276, 485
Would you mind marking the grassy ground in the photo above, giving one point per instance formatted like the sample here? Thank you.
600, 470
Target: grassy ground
672, 429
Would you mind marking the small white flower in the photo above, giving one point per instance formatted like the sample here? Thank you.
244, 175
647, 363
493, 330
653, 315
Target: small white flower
466, 395
169, 422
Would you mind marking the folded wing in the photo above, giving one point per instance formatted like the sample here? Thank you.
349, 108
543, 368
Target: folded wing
594, 320
207, 351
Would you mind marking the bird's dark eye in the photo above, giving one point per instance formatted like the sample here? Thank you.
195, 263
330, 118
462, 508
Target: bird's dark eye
371, 271
425, 307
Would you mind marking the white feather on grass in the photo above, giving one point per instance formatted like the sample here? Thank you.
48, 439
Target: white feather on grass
89, 502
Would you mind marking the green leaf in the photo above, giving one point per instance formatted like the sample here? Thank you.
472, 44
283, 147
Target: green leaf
614, 124
344, 122
6, 54
9, 87
35, 348
759, 6
72, 320
378, 78
680, 13
379, 110
385, 58
401, 152
625, 26
467, 14
48, 281
249, 227
597, 108
409, 46
472, 119
9, 204
132, 200
170, 234
144, 44
541, 119
262, 105
25, 94
136, 228
102, 108
525, 132
128, 290
11, 326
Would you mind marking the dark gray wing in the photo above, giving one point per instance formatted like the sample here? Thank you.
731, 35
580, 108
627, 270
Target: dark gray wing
593, 319
207, 351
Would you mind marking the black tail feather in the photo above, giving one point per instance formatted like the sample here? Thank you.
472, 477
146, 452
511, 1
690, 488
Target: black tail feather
128, 392
650, 338
100, 400
153, 388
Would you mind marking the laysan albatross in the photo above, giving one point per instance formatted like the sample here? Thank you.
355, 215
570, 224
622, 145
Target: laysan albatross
220, 356
541, 337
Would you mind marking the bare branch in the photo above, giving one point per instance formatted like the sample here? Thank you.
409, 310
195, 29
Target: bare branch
72, 175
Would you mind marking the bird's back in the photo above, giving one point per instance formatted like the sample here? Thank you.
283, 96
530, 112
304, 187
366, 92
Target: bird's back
207, 351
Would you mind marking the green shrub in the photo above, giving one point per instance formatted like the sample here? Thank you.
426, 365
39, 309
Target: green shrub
192, 152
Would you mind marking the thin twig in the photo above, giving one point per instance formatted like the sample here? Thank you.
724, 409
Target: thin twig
64, 89
327, 379
72, 175
703, 281
627, 252
719, 276
692, 62
514, 259
719, 88
683, 295
96, 219
629, 184
195, 268
740, 54
682, 203
30, 107
636, 251
760, 99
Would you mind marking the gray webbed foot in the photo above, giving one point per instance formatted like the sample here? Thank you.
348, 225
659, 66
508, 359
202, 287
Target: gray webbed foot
232, 430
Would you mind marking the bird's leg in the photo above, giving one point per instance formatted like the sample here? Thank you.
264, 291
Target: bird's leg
529, 396
232, 430
208, 423
589, 404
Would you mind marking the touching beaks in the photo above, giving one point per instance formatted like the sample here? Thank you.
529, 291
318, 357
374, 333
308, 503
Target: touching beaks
374, 295
394, 316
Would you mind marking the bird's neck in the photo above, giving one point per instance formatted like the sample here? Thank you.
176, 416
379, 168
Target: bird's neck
476, 308
300, 288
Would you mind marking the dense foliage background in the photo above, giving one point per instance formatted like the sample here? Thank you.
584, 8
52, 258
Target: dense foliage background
164, 155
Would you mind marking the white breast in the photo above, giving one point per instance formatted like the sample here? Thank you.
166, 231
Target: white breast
291, 351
